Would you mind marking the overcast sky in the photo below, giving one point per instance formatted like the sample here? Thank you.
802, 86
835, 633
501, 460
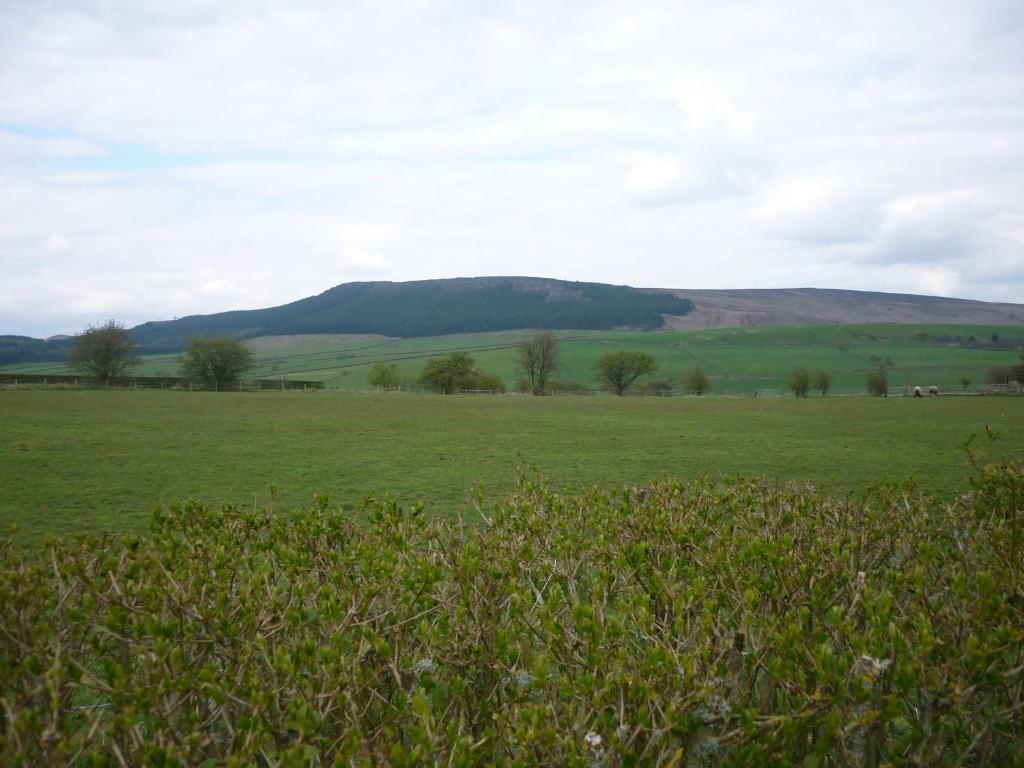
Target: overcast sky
159, 159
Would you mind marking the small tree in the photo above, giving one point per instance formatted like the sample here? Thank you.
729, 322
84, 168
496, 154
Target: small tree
800, 382
448, 374
216, 360
823, 381
878, 379
697, 382
965, 382
538, 360
383, 375
618, 370
103, 351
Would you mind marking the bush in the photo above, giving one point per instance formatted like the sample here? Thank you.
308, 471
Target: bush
823, 381
618, 370
383, 375
800, 382
482, 380
878, 380
216, 360
448, 374
739, 622
455, 372
659, 387
563, 387
697, 382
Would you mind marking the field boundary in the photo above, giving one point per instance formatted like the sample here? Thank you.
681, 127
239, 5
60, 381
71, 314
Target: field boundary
157, 382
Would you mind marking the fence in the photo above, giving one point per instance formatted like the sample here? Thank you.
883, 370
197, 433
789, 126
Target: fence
158, 382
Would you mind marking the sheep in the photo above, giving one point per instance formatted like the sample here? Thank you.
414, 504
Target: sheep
933, 391
918, 392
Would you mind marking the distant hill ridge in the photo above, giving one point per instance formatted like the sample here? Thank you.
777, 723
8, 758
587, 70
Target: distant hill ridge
821, 306
434, 308
478, 304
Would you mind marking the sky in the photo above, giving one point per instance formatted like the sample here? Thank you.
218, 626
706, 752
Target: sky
160, 159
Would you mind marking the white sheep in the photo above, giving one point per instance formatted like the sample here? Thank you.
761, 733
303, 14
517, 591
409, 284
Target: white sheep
933, 391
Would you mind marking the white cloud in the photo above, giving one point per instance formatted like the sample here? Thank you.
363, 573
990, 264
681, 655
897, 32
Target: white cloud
15, 146
168, 158
824, 209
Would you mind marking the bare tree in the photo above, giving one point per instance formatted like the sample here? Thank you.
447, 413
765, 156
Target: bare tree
538, 359
103, 351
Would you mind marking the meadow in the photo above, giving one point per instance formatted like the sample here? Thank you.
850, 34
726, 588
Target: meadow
738, 360
94, 461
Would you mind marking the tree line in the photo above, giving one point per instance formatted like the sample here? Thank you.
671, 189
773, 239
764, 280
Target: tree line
106, 351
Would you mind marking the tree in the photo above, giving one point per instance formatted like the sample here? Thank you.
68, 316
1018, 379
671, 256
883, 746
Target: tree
216, 359
103, 351
448, 374
538, 360
383, 375
823, 381
800, 382
878, 379
618, 370
965, 382
697, 381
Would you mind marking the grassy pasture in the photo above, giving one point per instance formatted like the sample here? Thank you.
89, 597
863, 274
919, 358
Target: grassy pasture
99, 461
738, 360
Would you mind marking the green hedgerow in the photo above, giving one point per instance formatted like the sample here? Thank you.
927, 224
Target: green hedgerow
728, 624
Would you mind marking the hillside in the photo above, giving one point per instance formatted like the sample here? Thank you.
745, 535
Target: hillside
429, 308
820, 306
433, 308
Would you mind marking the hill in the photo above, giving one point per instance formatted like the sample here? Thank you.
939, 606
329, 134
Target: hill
821, 306
433, 308
429, 308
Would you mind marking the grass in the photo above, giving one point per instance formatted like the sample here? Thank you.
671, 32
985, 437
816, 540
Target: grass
99, 461
738, 360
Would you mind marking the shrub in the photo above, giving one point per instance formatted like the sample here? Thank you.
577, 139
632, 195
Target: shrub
216, 360
383, 375
563, 387
618, 370
800, 382
823, 381
697, 382
485, 381
878, 380
447, 375
658, 387
741, 622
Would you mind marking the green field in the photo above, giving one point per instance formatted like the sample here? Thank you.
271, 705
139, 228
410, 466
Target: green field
738, 360
95, 460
